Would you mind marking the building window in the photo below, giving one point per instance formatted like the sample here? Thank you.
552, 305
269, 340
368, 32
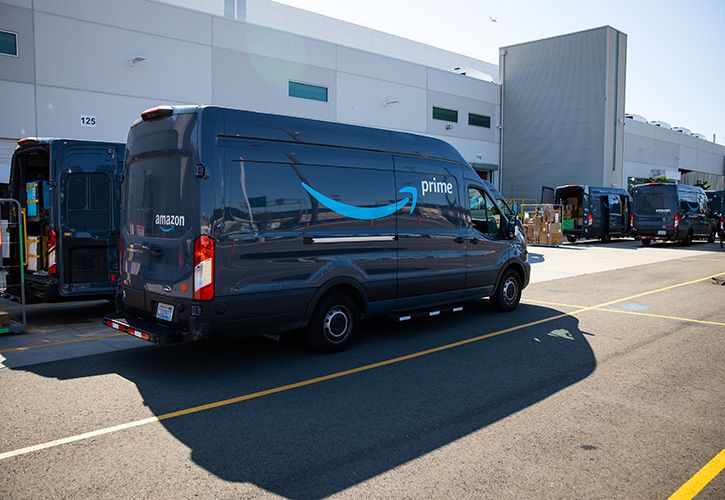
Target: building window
448, 115
8, 43
306, 91
479, 120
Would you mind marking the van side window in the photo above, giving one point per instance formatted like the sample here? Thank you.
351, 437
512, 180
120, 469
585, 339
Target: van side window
88, 202
689, 205
485, 215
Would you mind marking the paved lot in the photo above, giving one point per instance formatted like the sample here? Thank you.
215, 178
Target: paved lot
607, 382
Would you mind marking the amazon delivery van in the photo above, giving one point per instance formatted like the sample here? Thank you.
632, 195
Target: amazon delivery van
244, 223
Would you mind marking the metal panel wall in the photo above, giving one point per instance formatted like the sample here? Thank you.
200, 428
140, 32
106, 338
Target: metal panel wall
556, 98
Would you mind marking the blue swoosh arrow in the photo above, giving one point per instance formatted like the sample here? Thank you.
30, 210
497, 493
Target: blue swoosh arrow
364, 212
166, 230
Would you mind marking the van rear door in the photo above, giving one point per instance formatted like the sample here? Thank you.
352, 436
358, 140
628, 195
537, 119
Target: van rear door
655, 207
160, 219
86, 223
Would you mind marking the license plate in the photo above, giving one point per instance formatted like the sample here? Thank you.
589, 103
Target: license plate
164, 311
661, 233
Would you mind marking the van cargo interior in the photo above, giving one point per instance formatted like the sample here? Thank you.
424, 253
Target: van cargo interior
31, 188
572, 202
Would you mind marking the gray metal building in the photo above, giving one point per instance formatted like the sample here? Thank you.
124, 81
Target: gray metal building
562, 111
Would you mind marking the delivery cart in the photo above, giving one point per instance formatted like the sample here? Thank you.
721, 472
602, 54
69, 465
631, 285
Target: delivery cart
13, 259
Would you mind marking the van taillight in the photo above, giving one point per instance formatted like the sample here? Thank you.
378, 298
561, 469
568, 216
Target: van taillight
590, 220
631, 220
203, 268
677, 221
52, 239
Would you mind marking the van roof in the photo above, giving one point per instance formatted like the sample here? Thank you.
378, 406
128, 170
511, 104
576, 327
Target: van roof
28, 142
253, 124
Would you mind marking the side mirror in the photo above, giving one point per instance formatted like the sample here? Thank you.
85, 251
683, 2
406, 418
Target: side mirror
512, 224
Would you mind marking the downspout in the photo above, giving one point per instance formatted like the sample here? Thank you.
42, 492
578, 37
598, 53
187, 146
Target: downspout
502, 78
616, 104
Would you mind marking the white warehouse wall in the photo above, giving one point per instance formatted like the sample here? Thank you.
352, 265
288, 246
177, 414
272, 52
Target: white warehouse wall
649, 150
75, 60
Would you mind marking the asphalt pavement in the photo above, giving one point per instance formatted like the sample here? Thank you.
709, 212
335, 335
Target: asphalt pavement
604, 383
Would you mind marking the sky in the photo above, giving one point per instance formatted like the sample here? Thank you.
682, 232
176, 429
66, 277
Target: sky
675, 56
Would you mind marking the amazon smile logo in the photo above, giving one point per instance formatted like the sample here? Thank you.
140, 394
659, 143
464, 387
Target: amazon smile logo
366, 213
171, 221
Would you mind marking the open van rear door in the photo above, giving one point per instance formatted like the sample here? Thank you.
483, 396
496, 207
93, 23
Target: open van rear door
615, 215
87, 184
547, 194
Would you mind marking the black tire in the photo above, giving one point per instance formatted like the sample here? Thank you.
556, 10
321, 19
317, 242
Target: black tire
508, 292
606, 238
711, 238
334, 323
571, 238
688, 240
646, 242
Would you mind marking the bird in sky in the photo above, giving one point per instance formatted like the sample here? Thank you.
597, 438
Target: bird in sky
493, 19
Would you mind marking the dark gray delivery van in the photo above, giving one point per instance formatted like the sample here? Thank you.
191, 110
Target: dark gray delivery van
246, 223
671, 212
68, 191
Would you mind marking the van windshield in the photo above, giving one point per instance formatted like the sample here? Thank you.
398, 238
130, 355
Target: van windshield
654, 202
159, 196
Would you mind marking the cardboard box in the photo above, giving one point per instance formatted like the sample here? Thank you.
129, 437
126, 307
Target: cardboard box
557, 235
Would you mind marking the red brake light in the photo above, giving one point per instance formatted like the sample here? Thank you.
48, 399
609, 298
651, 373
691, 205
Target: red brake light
590, 220
677, 221
50, 246
27, 140
631, 220
203, 268
157, 112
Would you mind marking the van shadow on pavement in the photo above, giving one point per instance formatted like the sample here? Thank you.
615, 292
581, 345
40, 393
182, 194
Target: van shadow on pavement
323, 438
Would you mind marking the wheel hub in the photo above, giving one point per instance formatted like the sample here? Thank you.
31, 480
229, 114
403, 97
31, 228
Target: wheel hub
336, 323
509, 290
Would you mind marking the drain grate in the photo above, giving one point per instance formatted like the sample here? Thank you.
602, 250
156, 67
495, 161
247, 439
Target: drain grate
719, 281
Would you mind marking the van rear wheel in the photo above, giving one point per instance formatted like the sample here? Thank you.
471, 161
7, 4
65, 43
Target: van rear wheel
688, 240
508, 292
334, 323
646, 242
571, 238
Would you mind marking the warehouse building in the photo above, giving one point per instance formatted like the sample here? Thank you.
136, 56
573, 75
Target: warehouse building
87, 68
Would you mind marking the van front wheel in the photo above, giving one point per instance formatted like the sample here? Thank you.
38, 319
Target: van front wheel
508, 292
333, 324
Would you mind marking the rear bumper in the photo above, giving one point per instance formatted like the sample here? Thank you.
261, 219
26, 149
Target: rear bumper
651, 234
145, 330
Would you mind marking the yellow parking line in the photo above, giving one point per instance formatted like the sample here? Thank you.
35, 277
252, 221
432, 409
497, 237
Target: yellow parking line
661, 316
635, 313
61, 342
545, 303
317, 380
701, 478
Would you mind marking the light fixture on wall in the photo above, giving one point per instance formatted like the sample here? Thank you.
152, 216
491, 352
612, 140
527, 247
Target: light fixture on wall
449, 126
136, 60
390, 101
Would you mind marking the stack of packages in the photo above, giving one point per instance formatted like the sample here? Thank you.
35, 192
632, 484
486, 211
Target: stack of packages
542, 226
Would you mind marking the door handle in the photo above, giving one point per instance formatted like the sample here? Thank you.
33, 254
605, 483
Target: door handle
458, 239
474, 241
